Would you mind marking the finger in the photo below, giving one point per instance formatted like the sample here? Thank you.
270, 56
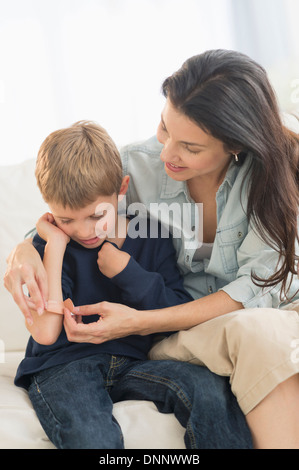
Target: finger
33, 288
13, 284
92, 309
50, 217
73, 329
36, 296
20, 299
81, 330
30, 303
69, 319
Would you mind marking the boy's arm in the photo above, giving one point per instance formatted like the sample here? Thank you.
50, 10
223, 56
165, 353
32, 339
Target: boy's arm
47, 327
143, 289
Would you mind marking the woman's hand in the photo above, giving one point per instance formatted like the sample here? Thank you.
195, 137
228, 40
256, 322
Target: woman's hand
48, 230
24, 266
116, 321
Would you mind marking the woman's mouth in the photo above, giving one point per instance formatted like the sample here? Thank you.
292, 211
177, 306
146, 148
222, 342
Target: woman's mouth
175, 168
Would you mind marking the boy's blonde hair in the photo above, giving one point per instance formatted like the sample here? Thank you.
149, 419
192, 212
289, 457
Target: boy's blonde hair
78, 164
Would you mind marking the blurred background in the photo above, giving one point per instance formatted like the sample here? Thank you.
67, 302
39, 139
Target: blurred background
105, 60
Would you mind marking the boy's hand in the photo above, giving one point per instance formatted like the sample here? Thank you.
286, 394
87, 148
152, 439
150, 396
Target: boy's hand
48, 230
111, 260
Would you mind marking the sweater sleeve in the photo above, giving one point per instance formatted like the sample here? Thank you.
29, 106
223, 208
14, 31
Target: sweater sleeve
152, 289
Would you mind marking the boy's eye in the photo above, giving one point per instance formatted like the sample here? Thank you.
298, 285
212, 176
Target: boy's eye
99, 215
65, 221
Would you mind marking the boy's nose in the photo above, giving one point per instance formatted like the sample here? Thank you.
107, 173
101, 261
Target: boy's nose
86, 231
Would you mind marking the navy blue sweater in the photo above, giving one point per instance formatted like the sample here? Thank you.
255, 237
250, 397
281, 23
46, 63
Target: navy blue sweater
151, 280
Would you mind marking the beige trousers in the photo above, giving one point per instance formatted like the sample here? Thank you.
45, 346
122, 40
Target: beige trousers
257, 348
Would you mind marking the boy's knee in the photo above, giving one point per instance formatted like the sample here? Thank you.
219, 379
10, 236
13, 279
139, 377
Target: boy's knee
99, 437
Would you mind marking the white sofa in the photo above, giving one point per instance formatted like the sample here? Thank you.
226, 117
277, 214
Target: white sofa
143, 426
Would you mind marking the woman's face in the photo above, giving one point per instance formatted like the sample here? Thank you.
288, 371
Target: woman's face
188, 151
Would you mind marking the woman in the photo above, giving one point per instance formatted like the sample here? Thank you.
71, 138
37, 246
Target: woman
224, 147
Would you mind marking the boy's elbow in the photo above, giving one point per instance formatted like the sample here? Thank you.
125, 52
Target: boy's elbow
46, 338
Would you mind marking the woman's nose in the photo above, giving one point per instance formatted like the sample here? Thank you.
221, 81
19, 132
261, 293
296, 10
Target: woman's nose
168, 153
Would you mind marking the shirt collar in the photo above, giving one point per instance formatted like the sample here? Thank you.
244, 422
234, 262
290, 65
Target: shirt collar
230, 176
171, 188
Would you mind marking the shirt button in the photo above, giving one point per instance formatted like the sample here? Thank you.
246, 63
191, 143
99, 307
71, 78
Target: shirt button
240, 234
187, 258
210, 289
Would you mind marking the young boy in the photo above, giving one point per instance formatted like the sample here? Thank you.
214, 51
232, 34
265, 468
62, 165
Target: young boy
89, 257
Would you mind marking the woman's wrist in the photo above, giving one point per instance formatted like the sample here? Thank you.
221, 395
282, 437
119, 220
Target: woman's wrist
185, 316
159, 321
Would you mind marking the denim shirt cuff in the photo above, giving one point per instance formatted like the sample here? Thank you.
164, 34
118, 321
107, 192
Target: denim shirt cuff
251, 296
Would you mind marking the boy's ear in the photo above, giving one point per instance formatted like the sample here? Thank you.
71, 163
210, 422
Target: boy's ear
124, 185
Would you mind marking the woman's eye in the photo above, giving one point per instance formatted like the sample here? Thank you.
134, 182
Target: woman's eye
163, 128
194, 152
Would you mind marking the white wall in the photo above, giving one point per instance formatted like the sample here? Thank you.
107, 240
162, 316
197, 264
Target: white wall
104, 60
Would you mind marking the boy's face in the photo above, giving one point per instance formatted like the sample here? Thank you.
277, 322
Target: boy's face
91, 225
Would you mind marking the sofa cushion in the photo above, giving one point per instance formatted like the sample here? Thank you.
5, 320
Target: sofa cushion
141, 423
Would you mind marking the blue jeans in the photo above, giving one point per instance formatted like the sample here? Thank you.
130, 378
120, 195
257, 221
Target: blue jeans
74, 402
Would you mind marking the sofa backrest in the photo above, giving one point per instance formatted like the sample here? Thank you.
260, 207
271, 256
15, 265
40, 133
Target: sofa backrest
20, 207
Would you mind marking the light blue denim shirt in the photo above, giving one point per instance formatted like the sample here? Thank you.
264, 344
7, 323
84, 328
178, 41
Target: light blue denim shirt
237, 249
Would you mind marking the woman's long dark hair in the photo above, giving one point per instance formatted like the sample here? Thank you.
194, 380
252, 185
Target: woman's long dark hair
229, 96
